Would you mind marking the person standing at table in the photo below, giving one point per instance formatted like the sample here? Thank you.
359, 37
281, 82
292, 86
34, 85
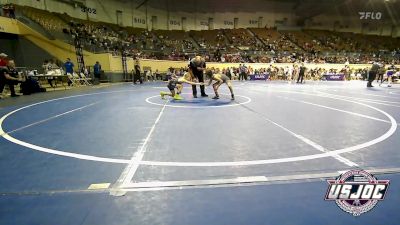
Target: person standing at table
53, 67
197, 66
47, 70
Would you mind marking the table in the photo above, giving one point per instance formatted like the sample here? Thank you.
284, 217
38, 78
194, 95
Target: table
45, 77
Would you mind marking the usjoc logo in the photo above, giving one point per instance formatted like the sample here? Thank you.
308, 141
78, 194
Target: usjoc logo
356, 191
370, 15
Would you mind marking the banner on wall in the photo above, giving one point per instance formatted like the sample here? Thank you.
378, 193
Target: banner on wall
333, 77
264, 76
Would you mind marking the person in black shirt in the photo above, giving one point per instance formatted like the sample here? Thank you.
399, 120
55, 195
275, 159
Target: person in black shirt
228, 73
301, 73
198, 65
372, 73
380, 74
136, 75
9, 76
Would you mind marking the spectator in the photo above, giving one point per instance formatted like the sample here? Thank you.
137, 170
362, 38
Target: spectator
11, 11
149, 75
137, 75
3, 60
243, 72
9, 76
69, 66
158, 75
97, 72
69, 69
47, 70
302, 71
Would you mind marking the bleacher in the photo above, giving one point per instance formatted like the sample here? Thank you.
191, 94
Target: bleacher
174, 44
49, 21
210, 39
243, 40
274, 40
175, 40
305, 42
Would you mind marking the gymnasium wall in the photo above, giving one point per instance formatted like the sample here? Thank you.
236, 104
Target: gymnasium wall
106, 11
171, 15
353, 24
30, 48
111, 64
163, 65
22, 51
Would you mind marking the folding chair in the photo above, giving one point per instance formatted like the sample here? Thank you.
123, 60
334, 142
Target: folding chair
73, 79
86, 80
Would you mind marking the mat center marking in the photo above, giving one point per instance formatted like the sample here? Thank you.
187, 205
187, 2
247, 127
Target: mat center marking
200, 102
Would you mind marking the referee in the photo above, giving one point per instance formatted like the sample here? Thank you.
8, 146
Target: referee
198, 65
301, 74
372, 73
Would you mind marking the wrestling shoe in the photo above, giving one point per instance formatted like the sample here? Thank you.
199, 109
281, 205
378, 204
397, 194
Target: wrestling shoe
233, 97
216, 97
177, 97
162, 95
204, 95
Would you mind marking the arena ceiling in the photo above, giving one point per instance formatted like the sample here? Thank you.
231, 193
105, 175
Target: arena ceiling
261, 5
304, 9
